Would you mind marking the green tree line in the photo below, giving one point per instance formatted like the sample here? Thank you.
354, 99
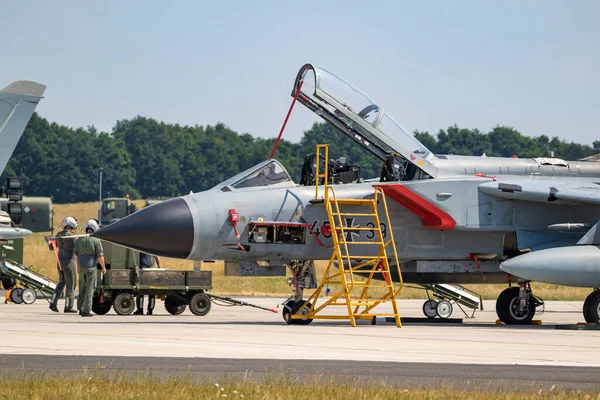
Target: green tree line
146, 158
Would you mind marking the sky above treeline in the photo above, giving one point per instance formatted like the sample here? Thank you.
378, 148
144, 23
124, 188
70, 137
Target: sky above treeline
530, 65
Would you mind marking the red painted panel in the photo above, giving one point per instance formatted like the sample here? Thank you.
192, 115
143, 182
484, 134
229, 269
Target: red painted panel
431, 215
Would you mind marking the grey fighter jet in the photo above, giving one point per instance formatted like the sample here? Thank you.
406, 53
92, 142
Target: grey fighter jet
454, 218
17, 103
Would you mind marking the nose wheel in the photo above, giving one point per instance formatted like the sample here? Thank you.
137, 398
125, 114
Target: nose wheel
300, 307
286, 313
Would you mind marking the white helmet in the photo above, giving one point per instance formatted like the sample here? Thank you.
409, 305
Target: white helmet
69, 222
91, 224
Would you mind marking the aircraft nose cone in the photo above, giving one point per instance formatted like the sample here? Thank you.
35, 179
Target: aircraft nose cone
163, 229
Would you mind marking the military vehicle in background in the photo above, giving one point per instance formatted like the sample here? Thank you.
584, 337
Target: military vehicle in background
34, 214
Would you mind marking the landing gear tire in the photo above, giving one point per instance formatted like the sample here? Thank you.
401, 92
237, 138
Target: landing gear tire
16, 295
200, 304
286, 312
591, 307
303, 307
124, 304
101, 308
444, 309
174, 306
507, 308
29, 296
429, 308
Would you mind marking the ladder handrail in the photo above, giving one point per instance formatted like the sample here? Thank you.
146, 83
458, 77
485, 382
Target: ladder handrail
391, 233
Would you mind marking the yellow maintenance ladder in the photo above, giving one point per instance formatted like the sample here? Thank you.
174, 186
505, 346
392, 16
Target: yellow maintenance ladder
359, 291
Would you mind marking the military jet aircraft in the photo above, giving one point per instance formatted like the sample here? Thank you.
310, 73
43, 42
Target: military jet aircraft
17, 103
454, 218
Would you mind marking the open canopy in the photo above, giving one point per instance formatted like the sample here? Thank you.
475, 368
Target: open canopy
356, 115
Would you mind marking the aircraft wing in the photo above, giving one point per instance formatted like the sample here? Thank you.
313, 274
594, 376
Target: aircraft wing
544, 190
17, 103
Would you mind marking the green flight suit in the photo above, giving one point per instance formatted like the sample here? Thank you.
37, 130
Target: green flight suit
66, 270
88, 250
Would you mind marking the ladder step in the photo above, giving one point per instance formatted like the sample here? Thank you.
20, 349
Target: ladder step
380, 286
342, 242
352, 202
360, 284
348, 229
369, 316
364, 302
364, 258
349, 214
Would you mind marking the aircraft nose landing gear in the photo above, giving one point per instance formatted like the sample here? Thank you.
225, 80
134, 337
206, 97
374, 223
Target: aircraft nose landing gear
517, 305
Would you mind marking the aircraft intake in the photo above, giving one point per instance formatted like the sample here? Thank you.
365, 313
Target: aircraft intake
163, 229
570, 266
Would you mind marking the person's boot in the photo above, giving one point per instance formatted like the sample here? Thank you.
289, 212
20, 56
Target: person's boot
69, 306
139, 301
151, 303
53, 302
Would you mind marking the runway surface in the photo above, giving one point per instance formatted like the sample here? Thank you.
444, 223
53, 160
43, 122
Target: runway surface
223, 370
234, 340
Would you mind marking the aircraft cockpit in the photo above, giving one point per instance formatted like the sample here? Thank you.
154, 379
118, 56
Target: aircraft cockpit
353, 113
267, 173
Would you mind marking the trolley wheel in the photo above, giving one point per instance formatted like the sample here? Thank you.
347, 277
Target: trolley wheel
200, 304
101, 308
303, 307
444, 309
8, 283
124, 304
174, 306
29, 296
16, 295
287, 310
429, 308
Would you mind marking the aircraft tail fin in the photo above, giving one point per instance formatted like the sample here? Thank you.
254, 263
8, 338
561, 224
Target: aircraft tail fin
17, 103
592, 236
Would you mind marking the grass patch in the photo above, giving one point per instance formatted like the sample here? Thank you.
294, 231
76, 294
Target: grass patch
37, 255
123, 387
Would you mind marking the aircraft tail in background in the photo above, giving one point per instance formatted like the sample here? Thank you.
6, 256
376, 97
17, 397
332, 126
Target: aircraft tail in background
17, 103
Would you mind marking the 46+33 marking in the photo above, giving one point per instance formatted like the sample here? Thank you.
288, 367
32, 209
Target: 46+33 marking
320, 229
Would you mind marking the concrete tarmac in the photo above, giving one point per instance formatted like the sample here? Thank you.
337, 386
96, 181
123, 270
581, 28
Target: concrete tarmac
238, 339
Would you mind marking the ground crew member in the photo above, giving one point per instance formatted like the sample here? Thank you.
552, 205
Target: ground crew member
146, 261
88, 253
66, 266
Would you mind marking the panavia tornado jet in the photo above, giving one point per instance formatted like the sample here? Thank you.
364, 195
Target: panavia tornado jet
454, 219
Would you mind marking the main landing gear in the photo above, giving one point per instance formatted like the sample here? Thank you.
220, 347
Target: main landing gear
591, 307
517, 305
